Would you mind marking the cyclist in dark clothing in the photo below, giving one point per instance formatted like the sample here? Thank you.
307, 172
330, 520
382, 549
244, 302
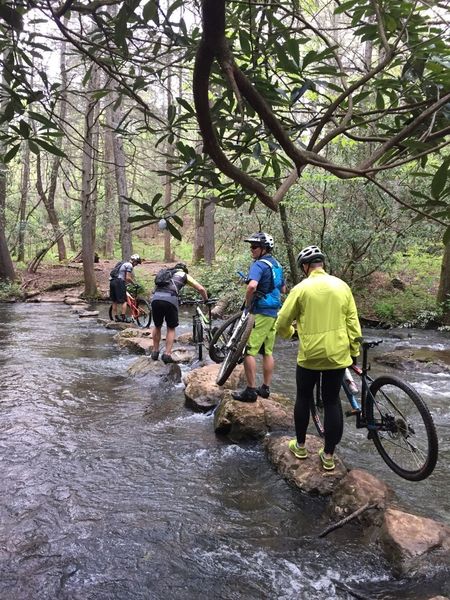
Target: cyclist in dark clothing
118, 287
165, 303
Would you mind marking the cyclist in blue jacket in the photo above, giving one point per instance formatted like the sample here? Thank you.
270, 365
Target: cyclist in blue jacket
265, 284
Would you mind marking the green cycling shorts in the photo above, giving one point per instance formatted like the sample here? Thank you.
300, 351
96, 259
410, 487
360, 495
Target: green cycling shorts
263, 334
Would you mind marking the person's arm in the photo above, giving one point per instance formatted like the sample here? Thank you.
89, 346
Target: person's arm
197, 286
353, 327
250, 292
289, 312
129, 276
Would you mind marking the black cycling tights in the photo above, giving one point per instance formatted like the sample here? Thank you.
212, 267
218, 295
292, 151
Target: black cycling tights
333, 419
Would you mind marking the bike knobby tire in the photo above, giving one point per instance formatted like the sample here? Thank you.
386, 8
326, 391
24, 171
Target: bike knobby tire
145, 313
236, 351
198, 338
220, 338
402, 428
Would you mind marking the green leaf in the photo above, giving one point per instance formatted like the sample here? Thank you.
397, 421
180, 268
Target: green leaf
42, 119
186, 105
173, 231
150, 12
11, 153
440, 179
49, 147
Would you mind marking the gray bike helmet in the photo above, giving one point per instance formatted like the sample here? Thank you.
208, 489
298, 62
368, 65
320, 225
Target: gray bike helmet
182, 267
263, 239
309, 255
136, 258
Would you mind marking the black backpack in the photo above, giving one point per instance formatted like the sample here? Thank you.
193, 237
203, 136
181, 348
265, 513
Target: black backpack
164, 277
115, 271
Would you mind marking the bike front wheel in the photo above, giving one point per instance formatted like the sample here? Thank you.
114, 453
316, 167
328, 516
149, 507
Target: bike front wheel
236, 351
144, 313
198, 338
220, 337
402, 428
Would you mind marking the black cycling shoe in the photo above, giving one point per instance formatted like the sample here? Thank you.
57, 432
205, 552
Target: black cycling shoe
263, 391
117, 319
166, 358
155, 355
125, 319
247, 395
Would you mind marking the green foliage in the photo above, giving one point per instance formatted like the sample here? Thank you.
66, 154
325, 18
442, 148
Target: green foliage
9, 290
222, 281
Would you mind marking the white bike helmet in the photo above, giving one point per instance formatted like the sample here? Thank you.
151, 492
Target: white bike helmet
263, 239
310, 254
136, 258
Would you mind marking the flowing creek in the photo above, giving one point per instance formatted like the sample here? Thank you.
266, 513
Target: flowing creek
113, 490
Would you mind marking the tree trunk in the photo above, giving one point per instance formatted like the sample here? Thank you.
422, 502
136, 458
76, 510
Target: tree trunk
109, 208
167, 183
25, 182
6, 264
444, 285
289, 244
199, 226
122, 189
87, 193
209, 237
49, 202
167, 199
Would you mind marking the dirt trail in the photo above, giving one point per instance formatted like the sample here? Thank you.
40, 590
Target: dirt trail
71, 280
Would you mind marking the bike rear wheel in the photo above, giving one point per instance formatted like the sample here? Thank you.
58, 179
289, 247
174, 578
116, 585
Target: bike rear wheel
220, 337
236, 351
198, 338
144, 316
404, 433
316, 410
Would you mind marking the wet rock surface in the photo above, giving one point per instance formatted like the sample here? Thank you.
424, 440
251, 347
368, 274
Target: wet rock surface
201, 391
252, 420
145, 366
412, 543
422, 359
306, 474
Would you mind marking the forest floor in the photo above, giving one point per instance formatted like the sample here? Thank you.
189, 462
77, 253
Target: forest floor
53, 282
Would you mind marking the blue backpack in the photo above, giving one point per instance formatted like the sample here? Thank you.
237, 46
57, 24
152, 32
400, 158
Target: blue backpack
273, 297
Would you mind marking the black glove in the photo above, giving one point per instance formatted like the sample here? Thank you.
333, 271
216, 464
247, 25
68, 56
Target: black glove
354, 360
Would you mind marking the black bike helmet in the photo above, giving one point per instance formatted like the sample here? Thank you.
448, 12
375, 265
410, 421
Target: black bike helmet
181, 266
263, 239
310, 254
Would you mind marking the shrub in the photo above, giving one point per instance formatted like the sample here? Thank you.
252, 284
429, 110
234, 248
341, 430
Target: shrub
9, 290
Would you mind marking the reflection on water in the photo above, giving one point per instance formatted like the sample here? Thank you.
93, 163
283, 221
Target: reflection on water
112, 489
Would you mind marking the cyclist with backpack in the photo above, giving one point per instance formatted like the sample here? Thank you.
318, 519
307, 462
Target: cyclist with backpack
265, 284
120, 275
165, 300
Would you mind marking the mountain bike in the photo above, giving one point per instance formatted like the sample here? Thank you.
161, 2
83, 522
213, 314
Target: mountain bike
138, 309
237, 329
397, 419
202, 330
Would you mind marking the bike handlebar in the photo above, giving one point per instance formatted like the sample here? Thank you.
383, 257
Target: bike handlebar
189, 302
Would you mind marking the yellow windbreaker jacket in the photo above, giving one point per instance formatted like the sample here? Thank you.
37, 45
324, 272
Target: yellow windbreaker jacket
327, 322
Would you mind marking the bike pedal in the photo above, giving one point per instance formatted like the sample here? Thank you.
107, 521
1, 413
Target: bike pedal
352, 413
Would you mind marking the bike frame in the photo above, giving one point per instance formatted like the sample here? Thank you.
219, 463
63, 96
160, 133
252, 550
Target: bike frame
360, 410
199, 317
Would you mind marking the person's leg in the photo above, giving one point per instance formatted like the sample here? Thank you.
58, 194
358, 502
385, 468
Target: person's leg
333, 422
250, 370
171, 316
158, 319
156, 337
306, 380
170, 338
268, 366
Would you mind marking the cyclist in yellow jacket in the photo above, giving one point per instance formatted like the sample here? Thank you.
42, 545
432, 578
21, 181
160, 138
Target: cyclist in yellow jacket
328, 330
